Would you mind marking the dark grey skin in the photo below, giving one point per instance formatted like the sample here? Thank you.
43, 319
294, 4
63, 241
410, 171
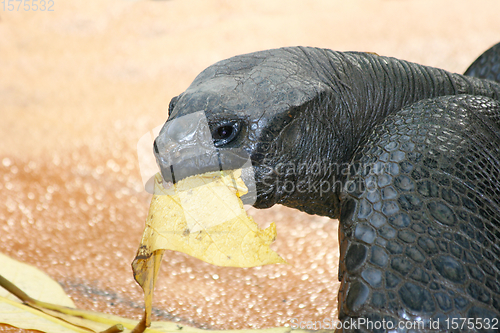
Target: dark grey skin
409, 162
487, 66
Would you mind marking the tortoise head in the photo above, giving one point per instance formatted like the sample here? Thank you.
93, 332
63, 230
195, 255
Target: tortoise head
259, 112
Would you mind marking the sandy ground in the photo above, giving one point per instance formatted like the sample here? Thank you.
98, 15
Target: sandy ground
81, 84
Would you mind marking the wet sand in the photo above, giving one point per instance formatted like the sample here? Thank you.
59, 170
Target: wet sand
80, 85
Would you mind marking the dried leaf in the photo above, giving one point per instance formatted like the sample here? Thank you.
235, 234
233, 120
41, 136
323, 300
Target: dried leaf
16, 314
32, 281
203, 216
146, 267
59, 316
37, 284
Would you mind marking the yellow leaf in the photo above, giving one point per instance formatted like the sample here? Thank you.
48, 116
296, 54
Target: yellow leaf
146, 266
32, 281
38, 285
16, 314
58, 316
203, 216
55, 317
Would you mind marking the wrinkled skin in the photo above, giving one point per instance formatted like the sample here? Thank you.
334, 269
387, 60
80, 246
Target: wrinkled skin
406, 156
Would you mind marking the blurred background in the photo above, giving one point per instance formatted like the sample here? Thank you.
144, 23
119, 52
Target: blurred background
79, 86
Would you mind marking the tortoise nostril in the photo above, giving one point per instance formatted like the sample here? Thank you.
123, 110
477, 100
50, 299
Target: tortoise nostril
155, 147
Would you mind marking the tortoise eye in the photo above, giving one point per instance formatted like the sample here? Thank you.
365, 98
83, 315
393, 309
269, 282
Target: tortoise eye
225, 133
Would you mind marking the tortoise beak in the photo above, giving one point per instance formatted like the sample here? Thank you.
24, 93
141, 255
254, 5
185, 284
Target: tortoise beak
184, 147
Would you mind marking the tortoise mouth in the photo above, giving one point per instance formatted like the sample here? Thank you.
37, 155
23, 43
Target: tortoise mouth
184, 164
221, 161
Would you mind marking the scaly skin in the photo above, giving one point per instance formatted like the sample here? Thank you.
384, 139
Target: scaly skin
487, 66
422, 240
419, 235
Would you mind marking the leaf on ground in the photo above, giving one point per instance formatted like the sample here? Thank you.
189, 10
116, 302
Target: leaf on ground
31, 318
58, 316
32, 281
21, 316
38, 285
